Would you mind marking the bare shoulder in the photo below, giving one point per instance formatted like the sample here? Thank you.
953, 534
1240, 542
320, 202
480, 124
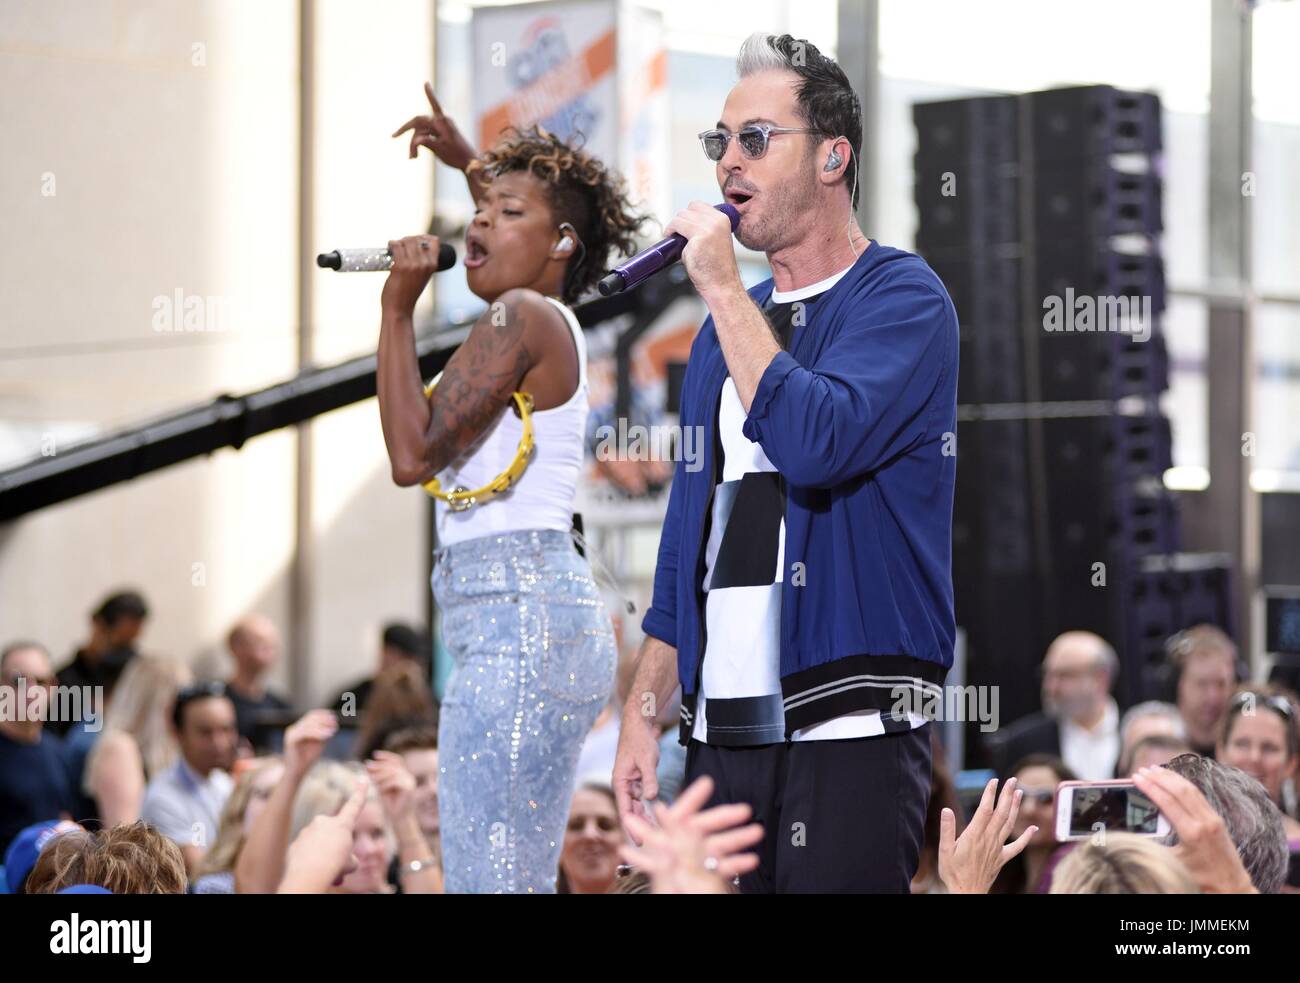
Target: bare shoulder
537, 320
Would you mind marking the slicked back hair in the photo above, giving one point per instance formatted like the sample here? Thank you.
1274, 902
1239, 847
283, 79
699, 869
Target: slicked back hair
827, 102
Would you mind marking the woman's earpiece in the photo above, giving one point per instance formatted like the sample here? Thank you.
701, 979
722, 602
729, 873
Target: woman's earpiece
565, 245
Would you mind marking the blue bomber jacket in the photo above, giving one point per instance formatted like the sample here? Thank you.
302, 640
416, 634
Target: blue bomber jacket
860, 421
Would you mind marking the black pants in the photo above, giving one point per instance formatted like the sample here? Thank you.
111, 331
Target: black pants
838, 816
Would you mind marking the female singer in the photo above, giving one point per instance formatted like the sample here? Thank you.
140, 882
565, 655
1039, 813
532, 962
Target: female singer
521, 613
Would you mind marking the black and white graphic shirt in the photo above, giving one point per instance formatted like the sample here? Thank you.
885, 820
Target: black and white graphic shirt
740, 702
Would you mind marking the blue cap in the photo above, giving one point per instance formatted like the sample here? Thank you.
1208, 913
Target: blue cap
84, 889
23, 850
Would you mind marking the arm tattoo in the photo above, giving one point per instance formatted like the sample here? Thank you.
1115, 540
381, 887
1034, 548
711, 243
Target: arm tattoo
477, 383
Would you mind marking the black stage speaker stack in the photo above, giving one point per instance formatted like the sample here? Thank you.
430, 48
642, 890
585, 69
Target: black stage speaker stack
1041, 213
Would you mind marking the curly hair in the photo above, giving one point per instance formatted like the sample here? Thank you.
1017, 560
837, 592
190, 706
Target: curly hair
580, 190
129, 859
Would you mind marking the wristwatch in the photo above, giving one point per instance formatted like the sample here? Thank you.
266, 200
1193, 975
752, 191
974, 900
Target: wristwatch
415, 866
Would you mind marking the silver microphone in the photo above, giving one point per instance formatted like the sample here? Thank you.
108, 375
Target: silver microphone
375, 260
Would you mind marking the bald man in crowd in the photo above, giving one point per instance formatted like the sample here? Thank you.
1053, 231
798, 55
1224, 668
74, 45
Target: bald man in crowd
254, 645
1080, 720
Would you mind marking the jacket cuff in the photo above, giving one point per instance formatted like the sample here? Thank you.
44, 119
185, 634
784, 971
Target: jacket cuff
772, 378
660, 625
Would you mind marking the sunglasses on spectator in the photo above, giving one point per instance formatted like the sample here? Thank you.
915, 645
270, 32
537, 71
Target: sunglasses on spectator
753, 139
1277, 703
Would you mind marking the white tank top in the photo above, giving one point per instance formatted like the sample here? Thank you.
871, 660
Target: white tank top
543, 497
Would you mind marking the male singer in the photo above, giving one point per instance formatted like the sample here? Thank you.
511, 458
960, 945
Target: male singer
803, 593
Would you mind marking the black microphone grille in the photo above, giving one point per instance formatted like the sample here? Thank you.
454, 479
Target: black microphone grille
611, 283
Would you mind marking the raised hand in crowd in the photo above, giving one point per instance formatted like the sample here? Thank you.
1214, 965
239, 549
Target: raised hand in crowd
969, 864
693, 850
261, 862
420, 870
321, 854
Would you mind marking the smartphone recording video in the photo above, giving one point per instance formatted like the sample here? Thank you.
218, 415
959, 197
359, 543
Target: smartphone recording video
1085, 808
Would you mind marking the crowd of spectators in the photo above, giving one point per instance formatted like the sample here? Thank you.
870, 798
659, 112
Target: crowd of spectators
163, 784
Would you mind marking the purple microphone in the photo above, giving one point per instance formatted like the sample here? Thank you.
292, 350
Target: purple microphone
661, 255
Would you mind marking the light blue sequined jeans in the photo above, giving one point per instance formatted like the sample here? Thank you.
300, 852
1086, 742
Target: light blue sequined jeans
535, 656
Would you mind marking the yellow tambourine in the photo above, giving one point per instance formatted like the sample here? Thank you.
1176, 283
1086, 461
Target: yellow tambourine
459, 498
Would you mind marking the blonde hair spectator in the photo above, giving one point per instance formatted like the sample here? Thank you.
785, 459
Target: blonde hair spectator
137, 743
217, 871
1122, 863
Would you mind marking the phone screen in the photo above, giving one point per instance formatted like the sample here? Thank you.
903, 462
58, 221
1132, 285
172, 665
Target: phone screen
1121, 808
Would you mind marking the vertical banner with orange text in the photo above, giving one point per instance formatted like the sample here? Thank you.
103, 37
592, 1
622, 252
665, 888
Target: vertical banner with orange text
591, 71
